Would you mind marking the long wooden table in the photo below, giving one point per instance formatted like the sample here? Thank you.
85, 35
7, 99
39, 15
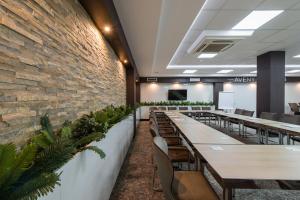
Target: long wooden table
231, 160
198, 133
233, 163
262, 124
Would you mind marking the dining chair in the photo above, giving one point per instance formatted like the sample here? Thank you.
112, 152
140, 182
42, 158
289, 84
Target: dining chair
180, 185
172, 108
247, 113
238, 111
183, 108
196, 108
162, 108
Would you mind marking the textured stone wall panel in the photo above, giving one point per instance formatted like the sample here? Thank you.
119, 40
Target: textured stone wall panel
52, 60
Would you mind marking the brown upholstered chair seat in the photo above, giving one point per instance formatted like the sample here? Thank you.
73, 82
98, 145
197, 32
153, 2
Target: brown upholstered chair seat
172, 140
180, 154
192, 185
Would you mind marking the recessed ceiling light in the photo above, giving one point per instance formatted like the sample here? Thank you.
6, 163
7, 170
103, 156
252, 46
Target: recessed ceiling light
256, 19
253, 72
107, 29
225, 71
292, 71
297, 56
207, 55
189, 71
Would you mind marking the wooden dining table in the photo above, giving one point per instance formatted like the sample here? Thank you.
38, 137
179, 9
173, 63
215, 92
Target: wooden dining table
235, 163
261, 124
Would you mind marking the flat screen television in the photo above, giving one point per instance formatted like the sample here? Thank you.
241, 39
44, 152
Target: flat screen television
177, 95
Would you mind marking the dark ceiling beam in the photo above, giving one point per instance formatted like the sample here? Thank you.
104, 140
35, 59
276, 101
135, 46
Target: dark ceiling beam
238, 79
103, 13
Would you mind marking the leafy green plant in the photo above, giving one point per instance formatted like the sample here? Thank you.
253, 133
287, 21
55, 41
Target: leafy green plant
31, 172
176, 103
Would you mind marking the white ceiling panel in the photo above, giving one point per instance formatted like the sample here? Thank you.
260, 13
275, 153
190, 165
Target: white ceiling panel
226, 19
277, 4
241, 4
159, 32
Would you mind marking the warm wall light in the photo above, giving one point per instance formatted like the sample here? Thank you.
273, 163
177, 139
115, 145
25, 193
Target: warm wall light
252, 85
107, 29
153, 85
125, 61
199, 85
228, 85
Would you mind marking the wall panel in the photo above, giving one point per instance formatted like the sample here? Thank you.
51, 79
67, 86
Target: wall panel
52, 60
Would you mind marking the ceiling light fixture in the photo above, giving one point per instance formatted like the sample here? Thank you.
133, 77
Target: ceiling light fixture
253, 72
297, 56
225, 71
189, 71
107, 29
256, 19
207, 55
292, 71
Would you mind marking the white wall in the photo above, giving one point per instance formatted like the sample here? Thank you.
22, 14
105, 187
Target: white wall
292, 94
159, 91
245, 93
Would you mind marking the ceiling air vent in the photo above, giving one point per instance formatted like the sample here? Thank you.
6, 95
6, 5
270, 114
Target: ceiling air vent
151, 79
214, 46
216, 41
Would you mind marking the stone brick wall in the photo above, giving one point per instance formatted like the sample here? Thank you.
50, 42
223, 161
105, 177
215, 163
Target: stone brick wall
54, 60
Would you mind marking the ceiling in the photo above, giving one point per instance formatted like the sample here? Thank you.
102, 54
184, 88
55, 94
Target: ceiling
160, 32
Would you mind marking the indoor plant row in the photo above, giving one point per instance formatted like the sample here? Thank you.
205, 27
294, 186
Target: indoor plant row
30, 172
176, 103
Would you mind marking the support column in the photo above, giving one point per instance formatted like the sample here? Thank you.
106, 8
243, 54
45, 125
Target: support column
130, 86
218, 87
270, 82
131, 92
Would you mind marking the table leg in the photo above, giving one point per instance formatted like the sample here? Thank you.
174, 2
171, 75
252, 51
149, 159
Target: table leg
243, 129
258, 135
267, 136
288, 139
227, 193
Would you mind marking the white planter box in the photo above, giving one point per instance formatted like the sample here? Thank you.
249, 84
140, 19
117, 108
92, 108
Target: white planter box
145, 110
86, 176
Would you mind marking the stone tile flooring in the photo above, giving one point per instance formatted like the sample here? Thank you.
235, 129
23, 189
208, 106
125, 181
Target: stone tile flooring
135, 178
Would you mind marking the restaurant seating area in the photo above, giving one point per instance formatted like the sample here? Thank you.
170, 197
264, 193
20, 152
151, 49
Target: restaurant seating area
149, 99
206, 176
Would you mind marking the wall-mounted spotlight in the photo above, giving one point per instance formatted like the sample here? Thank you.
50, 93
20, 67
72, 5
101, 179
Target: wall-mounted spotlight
107, 29
125, 61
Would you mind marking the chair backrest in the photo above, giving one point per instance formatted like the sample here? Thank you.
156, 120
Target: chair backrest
238, 111
294, 107
291, 119
154, 131
196, 108
247, 113
164, 166
172, 108
269, 116
162, 108
206, 108
183, 108
153, 108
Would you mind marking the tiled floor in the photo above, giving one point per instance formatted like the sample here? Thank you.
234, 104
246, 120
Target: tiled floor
135, 179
